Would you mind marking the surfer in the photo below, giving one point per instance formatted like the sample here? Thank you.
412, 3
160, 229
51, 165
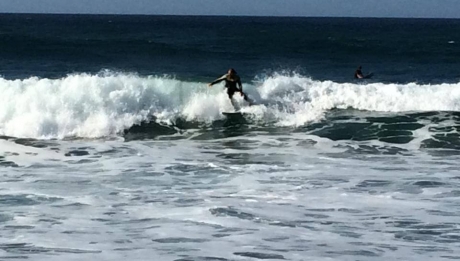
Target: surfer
232, 79
359, 73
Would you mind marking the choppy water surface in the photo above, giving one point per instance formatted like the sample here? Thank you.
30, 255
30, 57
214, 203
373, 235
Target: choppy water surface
112, 147
260, 195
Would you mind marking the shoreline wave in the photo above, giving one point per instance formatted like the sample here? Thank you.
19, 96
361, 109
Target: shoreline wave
108, 104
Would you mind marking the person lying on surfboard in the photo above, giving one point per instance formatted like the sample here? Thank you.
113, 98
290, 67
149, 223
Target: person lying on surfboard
231, 81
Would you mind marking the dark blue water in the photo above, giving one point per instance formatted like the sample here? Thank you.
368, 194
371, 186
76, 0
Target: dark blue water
396, 50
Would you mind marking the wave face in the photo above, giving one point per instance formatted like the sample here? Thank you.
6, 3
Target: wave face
106, 104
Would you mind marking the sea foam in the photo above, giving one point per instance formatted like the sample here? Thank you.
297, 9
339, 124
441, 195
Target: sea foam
100, 105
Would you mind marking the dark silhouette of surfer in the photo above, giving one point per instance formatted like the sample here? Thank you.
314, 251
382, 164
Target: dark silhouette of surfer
359, 74
232, 82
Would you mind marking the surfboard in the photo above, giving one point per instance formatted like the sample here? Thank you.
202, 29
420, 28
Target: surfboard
233, 113
368, 76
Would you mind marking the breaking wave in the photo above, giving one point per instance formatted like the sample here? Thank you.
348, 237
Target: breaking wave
106, 104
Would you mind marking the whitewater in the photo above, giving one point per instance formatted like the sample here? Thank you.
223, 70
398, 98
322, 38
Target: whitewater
234, 193
106, 104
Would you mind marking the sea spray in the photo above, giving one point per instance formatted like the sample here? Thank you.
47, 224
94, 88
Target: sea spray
100, 105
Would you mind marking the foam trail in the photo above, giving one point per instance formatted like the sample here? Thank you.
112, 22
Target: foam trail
92, 106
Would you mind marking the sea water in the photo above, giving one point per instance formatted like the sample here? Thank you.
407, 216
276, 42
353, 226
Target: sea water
112, 146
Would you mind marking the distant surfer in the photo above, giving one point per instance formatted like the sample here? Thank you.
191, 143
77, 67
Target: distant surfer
232, 81
359, 73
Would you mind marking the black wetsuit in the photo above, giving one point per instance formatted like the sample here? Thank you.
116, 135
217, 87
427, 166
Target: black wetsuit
231, 84
358, 72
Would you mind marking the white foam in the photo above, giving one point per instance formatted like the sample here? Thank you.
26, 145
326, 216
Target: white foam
305, 100
105, 104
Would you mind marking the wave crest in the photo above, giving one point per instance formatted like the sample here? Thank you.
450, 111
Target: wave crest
85, 105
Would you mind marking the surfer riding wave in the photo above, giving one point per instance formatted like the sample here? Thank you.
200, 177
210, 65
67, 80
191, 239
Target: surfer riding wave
232, 81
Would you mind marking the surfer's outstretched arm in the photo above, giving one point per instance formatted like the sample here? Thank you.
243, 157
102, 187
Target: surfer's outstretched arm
218, 80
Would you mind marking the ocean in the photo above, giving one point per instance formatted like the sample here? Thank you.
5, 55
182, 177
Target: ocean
113, 147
